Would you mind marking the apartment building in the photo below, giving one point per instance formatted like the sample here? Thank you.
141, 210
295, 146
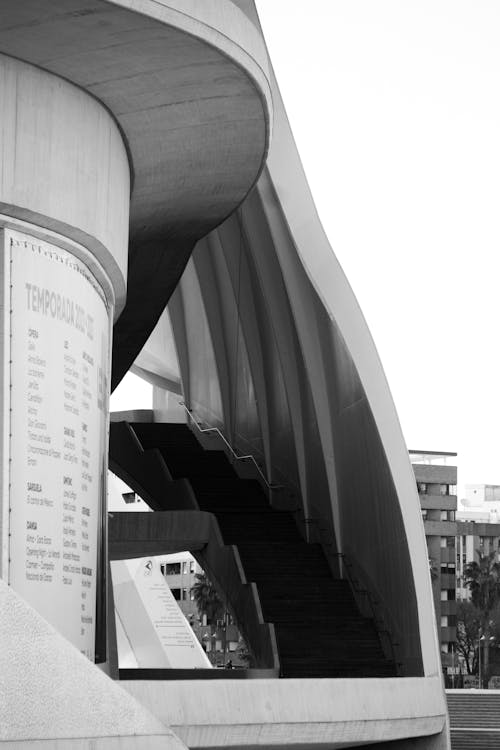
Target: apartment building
179, 570
436, 478
219, 641
474, 536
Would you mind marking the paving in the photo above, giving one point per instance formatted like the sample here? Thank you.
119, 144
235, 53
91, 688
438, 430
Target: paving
474, 719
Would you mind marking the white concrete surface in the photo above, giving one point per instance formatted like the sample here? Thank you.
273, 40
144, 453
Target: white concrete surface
294, 713
63, 164
51, 694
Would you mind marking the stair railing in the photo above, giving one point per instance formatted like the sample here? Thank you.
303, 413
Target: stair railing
389, 645
341, 565
215, 430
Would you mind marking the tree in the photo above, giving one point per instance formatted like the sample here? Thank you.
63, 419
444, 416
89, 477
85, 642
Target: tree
468, 632
483, 580
207, 599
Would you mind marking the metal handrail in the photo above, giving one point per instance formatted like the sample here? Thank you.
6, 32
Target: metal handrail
358, 589
248, 457
378, 618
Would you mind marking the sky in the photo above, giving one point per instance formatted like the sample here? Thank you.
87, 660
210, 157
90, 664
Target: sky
395, 109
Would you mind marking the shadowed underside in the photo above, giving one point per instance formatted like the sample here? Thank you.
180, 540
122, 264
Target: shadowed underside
192, 102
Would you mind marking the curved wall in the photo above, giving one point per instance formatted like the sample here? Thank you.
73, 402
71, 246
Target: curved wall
328, 425
394, 559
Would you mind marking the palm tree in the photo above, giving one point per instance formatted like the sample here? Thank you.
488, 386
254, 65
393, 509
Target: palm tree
483, 580
207, 599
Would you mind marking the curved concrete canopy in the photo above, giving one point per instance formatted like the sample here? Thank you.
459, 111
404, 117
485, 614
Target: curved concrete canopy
187, 84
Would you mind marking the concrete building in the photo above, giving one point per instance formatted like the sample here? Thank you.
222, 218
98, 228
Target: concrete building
473, 537
179, 571
436, 483
478, 528
482, 494
147, 160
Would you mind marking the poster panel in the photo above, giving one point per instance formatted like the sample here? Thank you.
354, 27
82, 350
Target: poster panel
59, 352
155, 633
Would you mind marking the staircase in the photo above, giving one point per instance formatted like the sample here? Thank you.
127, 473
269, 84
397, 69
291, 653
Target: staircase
474, 719
319, 630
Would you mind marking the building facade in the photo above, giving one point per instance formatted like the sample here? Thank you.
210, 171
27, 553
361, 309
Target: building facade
436, 479
473, 538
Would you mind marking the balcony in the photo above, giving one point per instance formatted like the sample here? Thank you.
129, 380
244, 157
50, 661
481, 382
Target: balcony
447, 581
438, 502
448, 554
449, 608
448, 634
433, 474
440, 528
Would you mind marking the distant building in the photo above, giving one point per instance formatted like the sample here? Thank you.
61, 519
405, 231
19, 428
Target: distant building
222, 638
180, 570
474, 537
436, 479
482, 494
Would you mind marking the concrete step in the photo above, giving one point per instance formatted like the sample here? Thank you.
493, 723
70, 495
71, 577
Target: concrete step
319, 630
474, 740
174, 436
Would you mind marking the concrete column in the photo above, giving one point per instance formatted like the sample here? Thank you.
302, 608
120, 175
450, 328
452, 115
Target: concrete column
64, 202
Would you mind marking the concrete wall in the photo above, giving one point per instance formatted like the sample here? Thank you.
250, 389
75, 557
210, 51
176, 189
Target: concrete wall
298, 713
52, 696
434, 474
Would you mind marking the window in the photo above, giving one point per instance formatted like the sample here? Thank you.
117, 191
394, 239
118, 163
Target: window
173, 569
184, 594
422, 488
444, 595
447, 515
451, 595
184, 568
442, 541
191, 595
443, 489
424, 513
162, 568
450, 541
448, 568
444, 621
191, 566
176, 594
